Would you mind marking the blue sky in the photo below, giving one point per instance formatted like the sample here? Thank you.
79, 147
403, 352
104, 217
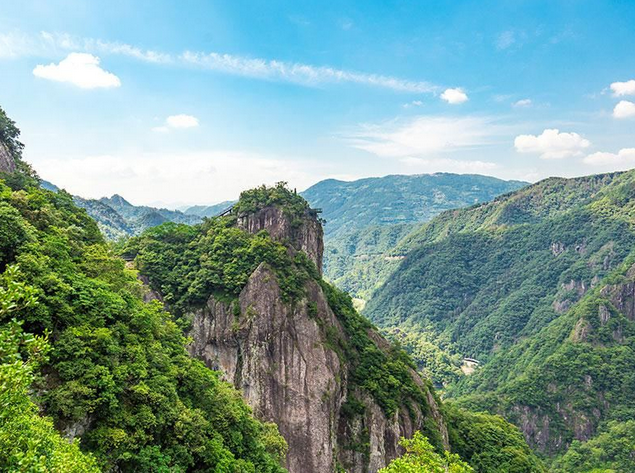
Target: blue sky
192, 101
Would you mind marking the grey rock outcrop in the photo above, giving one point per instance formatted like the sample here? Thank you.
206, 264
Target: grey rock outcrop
278, 354
7, 163
304, 234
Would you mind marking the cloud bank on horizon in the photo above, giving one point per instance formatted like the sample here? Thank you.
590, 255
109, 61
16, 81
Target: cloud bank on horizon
347, 98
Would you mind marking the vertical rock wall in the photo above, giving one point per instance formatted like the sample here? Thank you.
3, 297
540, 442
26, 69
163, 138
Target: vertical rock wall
278, 354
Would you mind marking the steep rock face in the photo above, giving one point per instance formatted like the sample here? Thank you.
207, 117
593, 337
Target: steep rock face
303, 234
275, 355
623, 295
7, 163
280, 355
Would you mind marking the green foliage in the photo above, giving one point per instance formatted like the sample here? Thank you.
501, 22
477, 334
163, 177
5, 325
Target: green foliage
360, 261
433, 356
366, 219
279, 195
610, 451
420, 456
188, 264
118, 369
489, 443
527, 285
28, 442
384, 372
10, 134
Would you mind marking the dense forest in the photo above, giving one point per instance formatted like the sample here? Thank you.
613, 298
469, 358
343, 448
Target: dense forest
538, 286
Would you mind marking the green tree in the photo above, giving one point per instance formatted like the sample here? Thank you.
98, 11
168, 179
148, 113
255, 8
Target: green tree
9, 134
421, 457
28, 442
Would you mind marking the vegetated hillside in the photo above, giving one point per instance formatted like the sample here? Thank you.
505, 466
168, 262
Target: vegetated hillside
302, 356
117, 218
79, 344
515, 283
141, 217
399, 199
366, 218
209, 210
360, 261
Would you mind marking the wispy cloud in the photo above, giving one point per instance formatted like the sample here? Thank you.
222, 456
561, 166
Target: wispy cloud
505, 40
523, 103
298, 73
50, 44
425, 136
180, 121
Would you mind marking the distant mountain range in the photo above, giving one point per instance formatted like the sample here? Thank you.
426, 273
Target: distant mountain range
346, 206
118, 218
365, 219
350, 206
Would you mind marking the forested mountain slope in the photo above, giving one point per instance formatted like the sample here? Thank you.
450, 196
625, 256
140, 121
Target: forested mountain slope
536, 285
367, 217
352, 205
117, 373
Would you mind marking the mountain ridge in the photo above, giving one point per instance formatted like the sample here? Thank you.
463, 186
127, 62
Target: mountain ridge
522, 283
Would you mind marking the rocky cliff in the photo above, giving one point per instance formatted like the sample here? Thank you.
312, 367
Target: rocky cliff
303, 234
7, 163
288, 361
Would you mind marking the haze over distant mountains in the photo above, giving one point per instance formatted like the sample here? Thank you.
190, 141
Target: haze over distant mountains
346, 206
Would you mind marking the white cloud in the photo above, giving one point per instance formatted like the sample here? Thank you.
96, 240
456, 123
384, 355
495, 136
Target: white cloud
423, 136
624, 109
623, 159
623, 88
79, 69
198, 177
180, 121
454, 96
524, 103
505, 40
552, 144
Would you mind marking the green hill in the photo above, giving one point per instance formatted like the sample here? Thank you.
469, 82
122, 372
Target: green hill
354, 205
366, 218
536, 285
